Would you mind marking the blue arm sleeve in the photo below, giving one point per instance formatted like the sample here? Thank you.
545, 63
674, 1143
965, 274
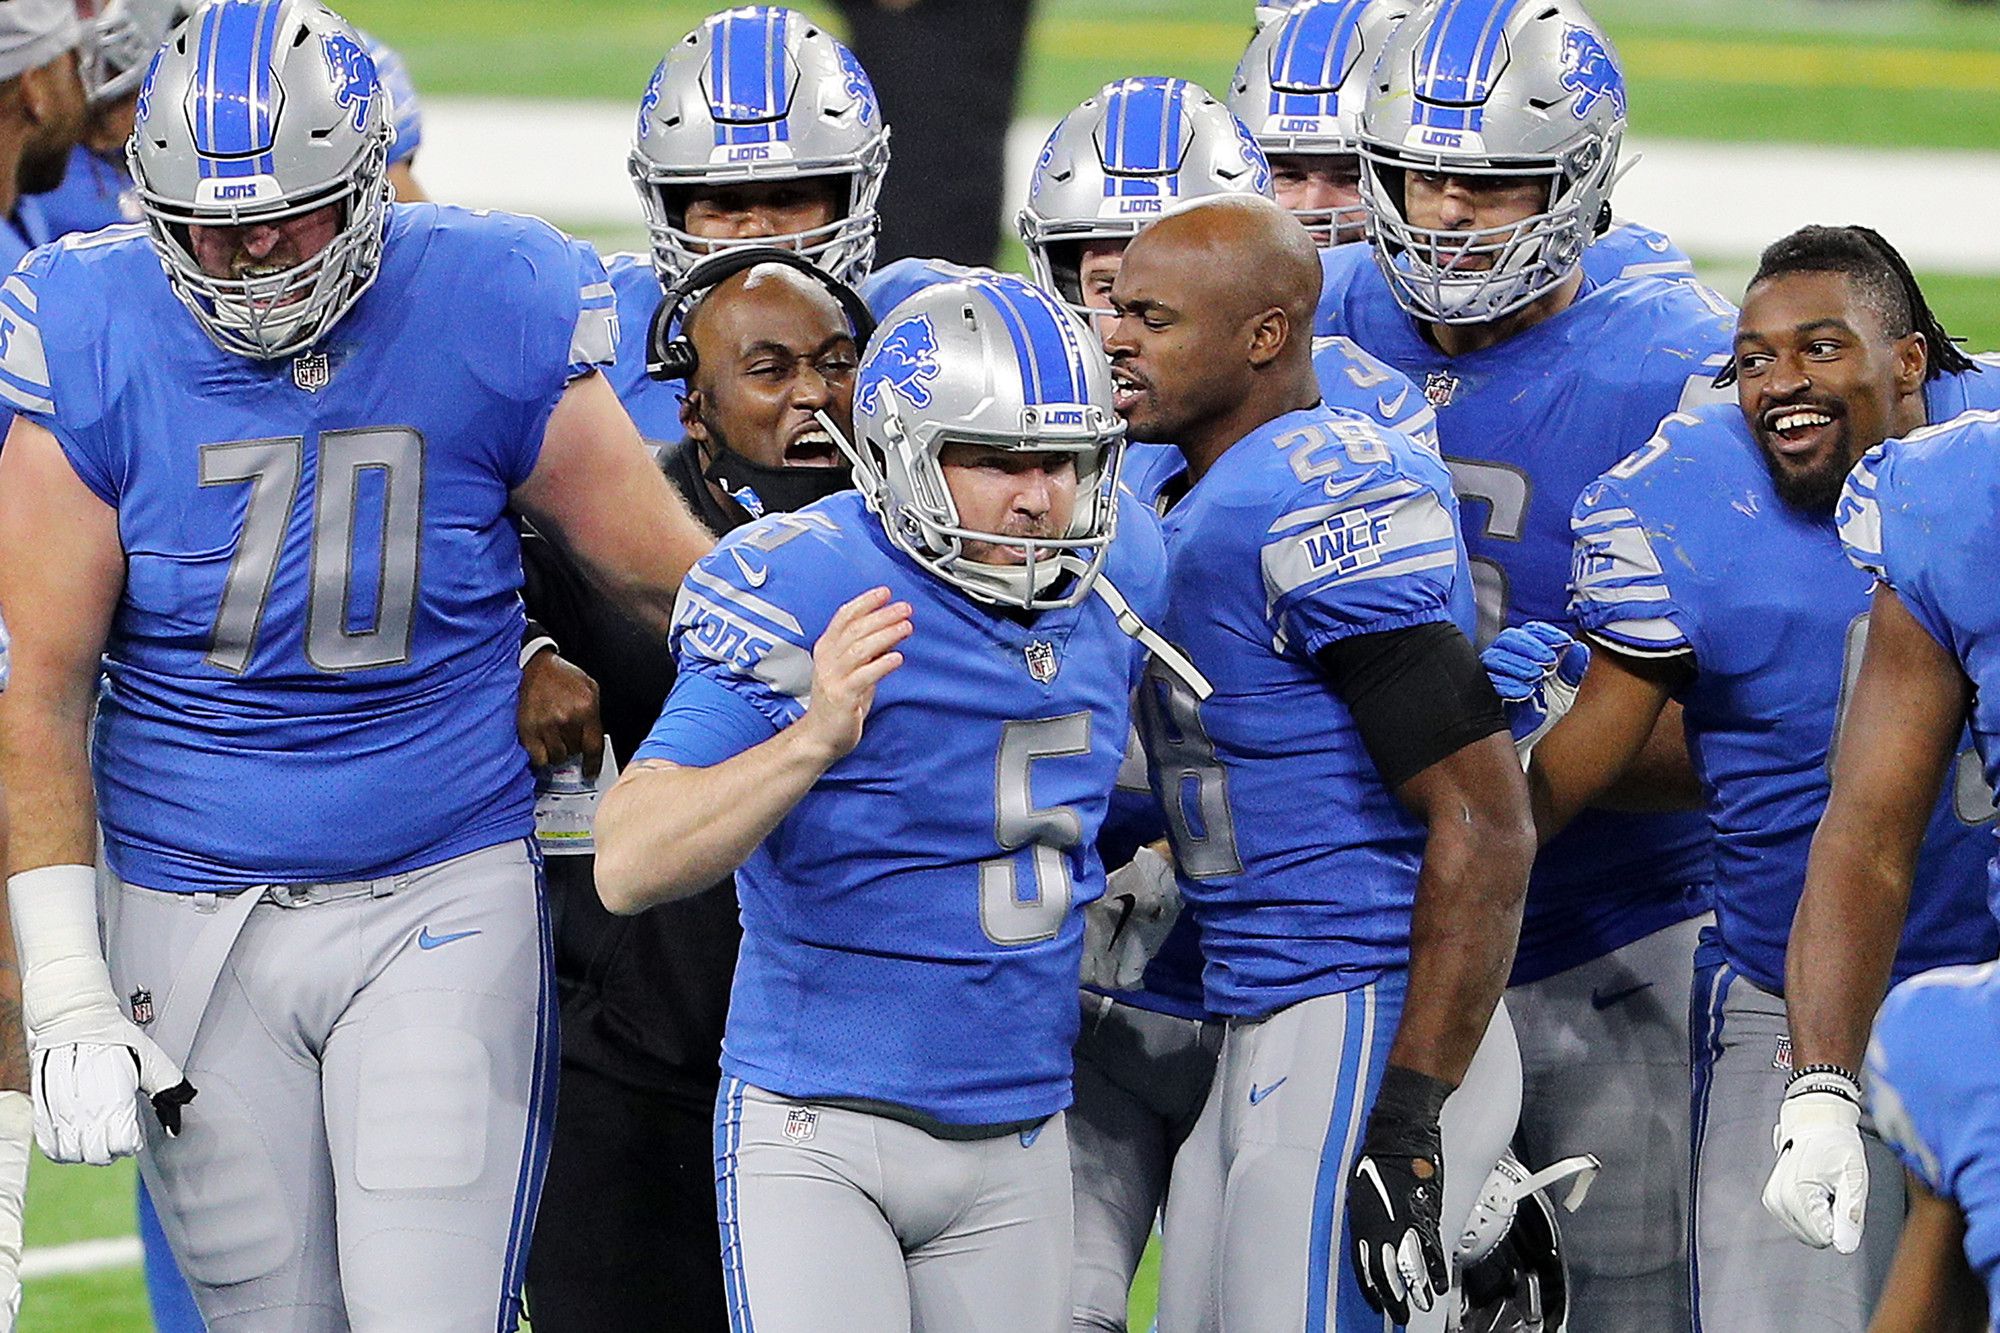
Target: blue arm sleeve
703, 724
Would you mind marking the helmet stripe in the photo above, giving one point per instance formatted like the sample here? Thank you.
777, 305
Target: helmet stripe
1314, 52
748, 70
1456, 63
233, 129
1142, 134
1044, 340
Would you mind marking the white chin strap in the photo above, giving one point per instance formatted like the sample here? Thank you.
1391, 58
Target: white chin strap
1170, 657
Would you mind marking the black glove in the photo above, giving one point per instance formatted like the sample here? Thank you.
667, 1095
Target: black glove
1395, 1194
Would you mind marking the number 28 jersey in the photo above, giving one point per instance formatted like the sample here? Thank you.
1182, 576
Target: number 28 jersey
1299, 864
909, 927
311, 673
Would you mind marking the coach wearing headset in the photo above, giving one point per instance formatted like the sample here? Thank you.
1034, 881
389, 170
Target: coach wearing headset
627, 1236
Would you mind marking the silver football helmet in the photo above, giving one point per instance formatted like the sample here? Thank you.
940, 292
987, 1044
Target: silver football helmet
258, 111
989, 359
1512, 1276
760, 94
1491, 88
1133, 152
124, 34
1301, 84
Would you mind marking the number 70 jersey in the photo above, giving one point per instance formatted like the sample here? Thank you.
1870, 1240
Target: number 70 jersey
311, 674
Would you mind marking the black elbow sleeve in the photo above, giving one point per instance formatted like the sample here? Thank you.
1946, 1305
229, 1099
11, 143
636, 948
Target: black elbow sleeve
1416, 695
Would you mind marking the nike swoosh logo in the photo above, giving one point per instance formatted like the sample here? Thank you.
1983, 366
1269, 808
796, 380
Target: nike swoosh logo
754, 575
1605, 999
1028, 1136
1368, 1170
1258, 1094
1391, 406
426, 940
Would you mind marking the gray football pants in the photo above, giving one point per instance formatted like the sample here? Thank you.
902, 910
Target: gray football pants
1255, 1230
1604, 1062
1750, 1274
375, 1080
836, 1219
1141, 1079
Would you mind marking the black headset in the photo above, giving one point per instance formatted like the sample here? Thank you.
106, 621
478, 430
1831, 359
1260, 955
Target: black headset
670, 355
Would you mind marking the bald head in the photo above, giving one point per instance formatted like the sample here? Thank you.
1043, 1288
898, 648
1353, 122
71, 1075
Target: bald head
757, 291
1214, 333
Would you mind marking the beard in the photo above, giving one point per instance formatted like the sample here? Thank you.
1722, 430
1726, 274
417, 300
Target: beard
1813, 486
42, 170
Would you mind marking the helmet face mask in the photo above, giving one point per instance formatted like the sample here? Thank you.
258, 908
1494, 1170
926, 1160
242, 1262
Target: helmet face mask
1128, 155
253, 140
993, 363
760, 95
1486, 89
1301, 85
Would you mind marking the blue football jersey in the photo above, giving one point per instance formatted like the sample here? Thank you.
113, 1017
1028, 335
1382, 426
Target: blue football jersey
1299, 865
655, 405
406, 111
1685, 548
311, 673
1630, 250
1525, 425
888, 287
27, 228
1913, 514
910, 932
96, 192
1933, 1084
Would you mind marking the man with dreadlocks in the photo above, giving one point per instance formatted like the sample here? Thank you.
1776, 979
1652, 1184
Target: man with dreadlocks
1707, 570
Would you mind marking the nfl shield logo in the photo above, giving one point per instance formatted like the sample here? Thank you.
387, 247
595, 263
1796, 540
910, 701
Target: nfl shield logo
142, 1006
1439, 386
311, 371
1041, 660
1782, 1058
801, 1123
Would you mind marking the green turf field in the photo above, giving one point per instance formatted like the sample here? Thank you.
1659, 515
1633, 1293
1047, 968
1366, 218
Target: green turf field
1917, 73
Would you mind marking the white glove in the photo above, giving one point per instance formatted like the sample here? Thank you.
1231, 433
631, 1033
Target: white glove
87, 1061
1819, 1188
17, 1120
1125, 928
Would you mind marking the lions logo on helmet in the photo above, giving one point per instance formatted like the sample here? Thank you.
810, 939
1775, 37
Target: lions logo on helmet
142, 110
354, 79
904, 359
1591, 73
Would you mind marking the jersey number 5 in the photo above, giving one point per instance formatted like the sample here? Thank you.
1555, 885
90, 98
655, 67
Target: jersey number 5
1005, 914
380, 471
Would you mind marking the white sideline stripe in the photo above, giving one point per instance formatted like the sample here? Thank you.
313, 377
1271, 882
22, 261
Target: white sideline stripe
565, 161
83, 1256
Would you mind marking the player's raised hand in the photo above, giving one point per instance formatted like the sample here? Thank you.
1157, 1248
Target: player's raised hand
88, 1062
850, 659
1536, 669
1819, 1187
1396, 1194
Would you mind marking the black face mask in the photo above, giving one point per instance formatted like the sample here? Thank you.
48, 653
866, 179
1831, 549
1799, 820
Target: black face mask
771, 490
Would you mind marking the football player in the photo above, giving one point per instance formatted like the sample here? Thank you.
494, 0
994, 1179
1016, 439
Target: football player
756, 128
1932, 1092
96, 189
1489, 144
1910, 513
1317, 578
626, 1237
42, 114
1301, 86
407, 121
1705, 572
890, 1145
277, 435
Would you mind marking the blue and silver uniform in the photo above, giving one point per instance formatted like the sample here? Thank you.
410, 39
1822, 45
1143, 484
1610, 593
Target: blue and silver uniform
909, 928
1315, 527
96, 191
320, 612
27, 228
1933, 1081
1525, 425
1631, 250
1685, 548
655, 405
1912, 511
